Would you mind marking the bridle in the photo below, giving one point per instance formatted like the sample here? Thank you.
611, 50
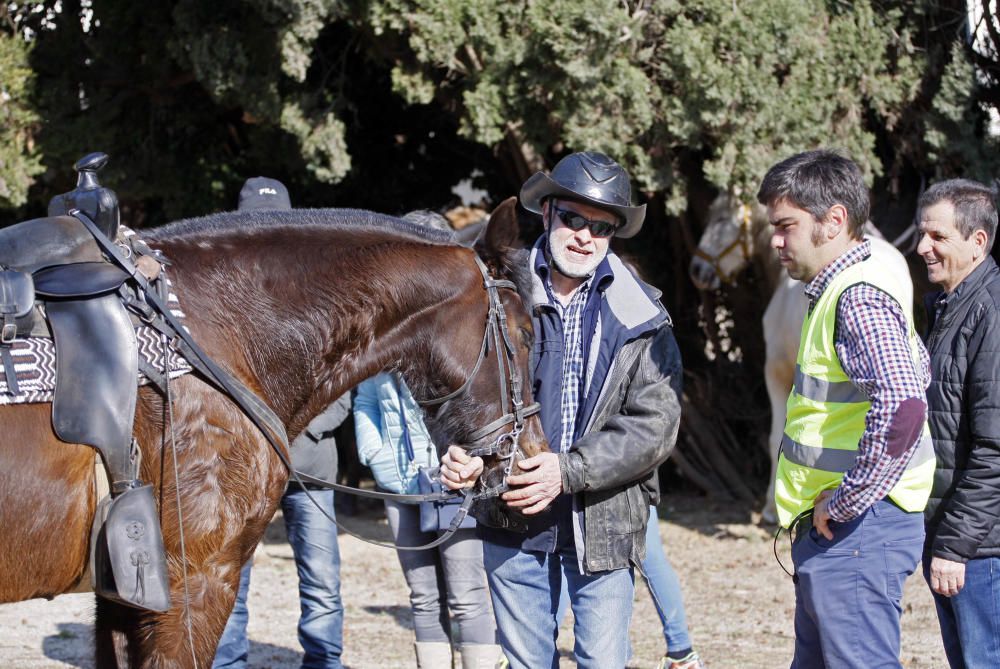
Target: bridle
505, 446
742, 242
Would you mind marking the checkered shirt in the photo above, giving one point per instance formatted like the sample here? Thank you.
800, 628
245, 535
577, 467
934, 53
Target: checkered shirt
573, 366
885, 371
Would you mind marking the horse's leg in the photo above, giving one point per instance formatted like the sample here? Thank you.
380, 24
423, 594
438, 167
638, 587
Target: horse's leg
48, 503
777, 376
230, 483
782, 324
110, 642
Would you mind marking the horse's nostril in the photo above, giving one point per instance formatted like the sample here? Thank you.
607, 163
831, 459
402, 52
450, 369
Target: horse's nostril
703, 275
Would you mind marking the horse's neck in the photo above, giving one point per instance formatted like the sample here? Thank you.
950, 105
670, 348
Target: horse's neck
314, 329
392, 319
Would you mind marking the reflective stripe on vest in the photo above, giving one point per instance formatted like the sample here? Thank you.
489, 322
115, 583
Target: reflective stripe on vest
827, 391
839, 459
827, 412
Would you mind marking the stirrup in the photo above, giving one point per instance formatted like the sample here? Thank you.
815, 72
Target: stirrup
130, 563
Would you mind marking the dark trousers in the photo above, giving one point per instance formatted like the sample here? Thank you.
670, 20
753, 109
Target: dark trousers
849, 590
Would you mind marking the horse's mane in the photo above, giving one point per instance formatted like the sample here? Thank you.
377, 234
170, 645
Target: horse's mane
275, 220
347, 220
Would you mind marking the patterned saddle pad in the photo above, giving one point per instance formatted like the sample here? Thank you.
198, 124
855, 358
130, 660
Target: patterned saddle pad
35, 361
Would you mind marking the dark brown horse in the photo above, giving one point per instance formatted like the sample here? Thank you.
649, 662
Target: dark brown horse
300, 306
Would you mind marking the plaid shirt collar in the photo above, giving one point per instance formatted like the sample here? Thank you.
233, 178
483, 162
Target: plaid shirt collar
814, 289
579, 296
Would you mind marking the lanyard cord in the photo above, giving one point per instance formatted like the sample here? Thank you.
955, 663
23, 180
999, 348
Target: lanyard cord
793, 525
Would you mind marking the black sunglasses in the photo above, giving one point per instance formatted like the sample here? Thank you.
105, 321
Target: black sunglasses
575, 221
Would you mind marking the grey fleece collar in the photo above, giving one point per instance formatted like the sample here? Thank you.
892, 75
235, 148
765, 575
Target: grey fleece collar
629, 303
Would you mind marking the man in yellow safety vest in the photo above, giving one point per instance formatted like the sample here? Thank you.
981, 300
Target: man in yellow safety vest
856, 462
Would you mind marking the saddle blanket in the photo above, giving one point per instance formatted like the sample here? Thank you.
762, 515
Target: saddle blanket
35, 357
35, 364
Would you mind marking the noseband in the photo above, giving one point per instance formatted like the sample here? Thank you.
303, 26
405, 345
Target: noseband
742, 242
505, 446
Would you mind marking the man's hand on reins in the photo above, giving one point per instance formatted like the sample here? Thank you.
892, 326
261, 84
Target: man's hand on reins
541, 480
458, 470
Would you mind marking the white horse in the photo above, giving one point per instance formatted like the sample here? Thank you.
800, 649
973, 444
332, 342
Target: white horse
734, 236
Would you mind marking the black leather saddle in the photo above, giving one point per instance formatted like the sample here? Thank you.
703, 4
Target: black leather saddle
56, 281
62, 274
41, 242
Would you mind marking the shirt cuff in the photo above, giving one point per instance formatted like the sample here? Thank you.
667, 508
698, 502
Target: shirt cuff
840, 509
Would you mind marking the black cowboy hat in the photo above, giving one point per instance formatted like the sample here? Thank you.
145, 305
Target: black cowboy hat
591, 178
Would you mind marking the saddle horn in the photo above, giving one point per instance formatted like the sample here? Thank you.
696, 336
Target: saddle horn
99, 203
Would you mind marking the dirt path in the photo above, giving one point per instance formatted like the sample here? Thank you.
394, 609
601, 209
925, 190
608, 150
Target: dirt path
739, 603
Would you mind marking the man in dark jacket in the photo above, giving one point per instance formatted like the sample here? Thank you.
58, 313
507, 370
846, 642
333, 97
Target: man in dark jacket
958, 222
607, 375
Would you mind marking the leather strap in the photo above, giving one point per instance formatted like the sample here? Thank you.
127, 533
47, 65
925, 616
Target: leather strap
9, 371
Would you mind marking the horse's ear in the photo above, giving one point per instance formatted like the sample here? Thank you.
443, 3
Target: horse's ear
503, 231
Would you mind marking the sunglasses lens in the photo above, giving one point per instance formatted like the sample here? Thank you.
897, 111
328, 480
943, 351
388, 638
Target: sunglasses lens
575, 222
601, 228
570, 220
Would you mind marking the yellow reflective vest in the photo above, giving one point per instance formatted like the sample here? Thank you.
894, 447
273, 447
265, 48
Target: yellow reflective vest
826, 411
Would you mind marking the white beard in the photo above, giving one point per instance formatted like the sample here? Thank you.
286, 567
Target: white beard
574, 270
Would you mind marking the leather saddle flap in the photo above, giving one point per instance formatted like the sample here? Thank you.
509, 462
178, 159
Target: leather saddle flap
82, 279
96, 363
17, 293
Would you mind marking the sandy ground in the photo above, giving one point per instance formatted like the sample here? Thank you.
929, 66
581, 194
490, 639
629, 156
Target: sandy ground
739, 603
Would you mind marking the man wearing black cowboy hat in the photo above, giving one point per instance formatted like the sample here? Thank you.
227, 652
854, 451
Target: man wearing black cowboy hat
607, 374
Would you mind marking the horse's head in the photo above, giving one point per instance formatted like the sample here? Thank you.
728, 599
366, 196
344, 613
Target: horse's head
490, 410
728, 243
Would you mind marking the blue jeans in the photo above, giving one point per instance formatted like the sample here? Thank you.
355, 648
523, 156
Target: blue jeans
525, 587
970, 620
234, 645
317, 558
313, 539
848, 591
665, 588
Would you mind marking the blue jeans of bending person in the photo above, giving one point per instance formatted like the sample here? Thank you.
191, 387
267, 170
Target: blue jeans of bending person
317, 558
525, 587
665, 588
447, 578
970, 620
313, 539
848, 591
